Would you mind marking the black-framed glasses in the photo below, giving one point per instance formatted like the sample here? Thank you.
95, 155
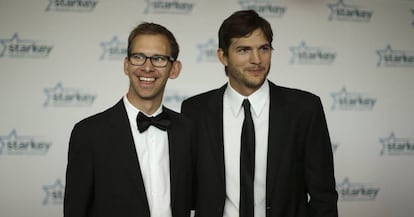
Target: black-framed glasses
139, 59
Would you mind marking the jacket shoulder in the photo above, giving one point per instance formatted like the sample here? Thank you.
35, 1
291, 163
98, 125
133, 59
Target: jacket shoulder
202, 97
177, 117
195, 106
293, 94
102, 118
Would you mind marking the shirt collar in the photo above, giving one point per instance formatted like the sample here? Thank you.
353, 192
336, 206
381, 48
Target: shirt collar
257, 99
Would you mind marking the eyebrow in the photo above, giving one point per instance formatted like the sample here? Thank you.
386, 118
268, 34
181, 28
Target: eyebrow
243, 47
133, 53
250, 47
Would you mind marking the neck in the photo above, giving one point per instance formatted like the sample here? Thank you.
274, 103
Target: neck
148, 106
242, 89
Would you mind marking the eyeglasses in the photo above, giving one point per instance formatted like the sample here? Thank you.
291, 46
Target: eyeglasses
139, 59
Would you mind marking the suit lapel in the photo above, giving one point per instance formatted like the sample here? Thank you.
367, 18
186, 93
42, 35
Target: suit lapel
276, 131
174, 141
214, 128
121, 135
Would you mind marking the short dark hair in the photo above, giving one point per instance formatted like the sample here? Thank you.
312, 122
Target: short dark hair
242, 23
146, 28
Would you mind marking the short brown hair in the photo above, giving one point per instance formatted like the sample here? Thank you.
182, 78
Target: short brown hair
240, 24
146, 28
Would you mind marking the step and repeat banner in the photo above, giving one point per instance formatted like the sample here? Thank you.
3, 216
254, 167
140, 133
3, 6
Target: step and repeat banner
62, 60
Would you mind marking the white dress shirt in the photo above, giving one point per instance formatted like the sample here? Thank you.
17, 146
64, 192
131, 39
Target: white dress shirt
233, 117
152, 150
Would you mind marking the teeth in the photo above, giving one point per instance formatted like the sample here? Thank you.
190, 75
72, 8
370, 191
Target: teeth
146, 79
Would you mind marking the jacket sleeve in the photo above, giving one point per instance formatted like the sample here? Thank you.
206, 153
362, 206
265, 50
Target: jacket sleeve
79, 174
319, 166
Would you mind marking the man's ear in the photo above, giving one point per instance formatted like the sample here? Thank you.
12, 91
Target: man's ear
175, 69
222, 57
126, 64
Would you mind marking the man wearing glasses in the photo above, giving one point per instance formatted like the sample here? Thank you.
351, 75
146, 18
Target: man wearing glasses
134, 159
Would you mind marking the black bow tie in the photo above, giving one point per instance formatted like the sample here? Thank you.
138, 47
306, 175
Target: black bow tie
160, 121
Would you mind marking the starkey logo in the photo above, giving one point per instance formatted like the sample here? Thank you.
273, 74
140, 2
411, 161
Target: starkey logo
72, 5
14, 144
395, 58
113, 49
268, 8
173, 99
169, 6
351, 191
59, 96
54, 193
395, 146
24, 48
346, 100
304, 54
334, 146
207, 51
412, 11
343, 12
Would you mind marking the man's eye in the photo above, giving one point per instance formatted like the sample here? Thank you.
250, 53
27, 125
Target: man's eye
265, 48
242, 50
138, 57
158, 58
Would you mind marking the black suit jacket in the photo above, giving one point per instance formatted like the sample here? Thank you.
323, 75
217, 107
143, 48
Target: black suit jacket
103, 176
299, 157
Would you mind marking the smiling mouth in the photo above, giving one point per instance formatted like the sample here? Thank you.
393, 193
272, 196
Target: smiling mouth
146, 79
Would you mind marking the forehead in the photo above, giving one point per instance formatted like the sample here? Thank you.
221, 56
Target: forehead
150, 44
255, 39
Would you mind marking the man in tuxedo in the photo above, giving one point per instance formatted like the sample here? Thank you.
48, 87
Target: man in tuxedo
135, 158
263, 149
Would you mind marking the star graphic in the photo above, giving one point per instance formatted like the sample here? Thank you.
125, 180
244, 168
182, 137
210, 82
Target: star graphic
148, 7
338, 5
54, 192
12, 137
334, 146
175, 6
13, 40
344, 183
5, 139
55, 5
207, 50
347, 184
114, 42
50, 5
343, 93
252, 2
392, 139
60, 96
54, 90
301, 48
389, 139
269, 8
49, 92
387, 51
412, 11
